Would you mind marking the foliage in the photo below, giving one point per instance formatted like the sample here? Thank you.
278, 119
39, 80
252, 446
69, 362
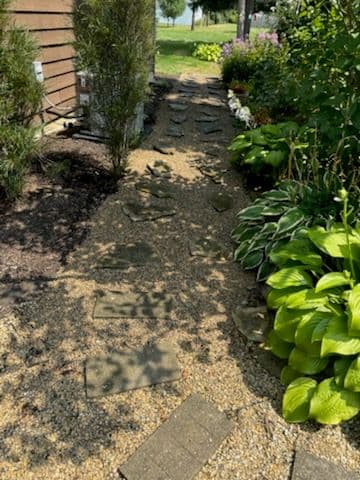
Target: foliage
172, 8
114, 41
277, 217
316, 295
210, 52
20, 99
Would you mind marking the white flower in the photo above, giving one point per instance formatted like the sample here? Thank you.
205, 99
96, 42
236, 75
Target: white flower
234, 104
244, 115
230, 93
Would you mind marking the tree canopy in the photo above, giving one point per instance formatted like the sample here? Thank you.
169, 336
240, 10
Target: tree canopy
172, 8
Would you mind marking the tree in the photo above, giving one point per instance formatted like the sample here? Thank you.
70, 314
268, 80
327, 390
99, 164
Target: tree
114, 43
20, 100
194, 5
172, 8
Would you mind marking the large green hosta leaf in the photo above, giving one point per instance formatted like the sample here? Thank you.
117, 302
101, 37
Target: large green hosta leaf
304, 363
286, 322
352, 377
337, 339
331, 404
304, 333
306, 299
296, 250
296, 401
278, 347
289, 221
276, 195
333, 279
288, 375
354, 311
290, 277
276, 298
341, 366
253, 212
333, 242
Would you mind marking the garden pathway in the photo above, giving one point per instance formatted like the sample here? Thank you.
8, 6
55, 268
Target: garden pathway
147, 300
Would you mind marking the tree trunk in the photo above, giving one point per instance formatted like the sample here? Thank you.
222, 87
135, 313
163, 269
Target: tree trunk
173, 22
249, 10
193, 19
241, 19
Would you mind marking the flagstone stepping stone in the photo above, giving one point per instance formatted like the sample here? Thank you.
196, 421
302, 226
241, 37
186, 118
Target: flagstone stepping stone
221, 202
138, 212
175, 131
207, 119
165, 150
125, 255
187, 94
213, 173
178, 118
252, 322
207, 111
309, 467
157, 189
113, 304
182, 445
178, 107
206, 247
122, 371
188, 90
215, 86
159, 169
207, 129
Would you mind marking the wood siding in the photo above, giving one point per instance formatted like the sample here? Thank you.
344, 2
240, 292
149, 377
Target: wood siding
50, 23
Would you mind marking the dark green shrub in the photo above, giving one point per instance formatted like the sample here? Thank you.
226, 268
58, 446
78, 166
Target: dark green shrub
20, 99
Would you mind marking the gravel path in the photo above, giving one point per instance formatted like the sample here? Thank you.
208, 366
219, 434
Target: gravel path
49, 430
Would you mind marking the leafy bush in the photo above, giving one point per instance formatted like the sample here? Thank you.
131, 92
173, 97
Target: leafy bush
210, 52
316, 294
20, 99
276, 217
114, 42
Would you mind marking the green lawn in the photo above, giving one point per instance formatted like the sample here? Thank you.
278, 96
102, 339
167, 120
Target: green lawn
175, 46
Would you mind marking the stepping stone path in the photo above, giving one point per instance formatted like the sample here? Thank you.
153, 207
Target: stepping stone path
138, 212
159, 169
215, 175
309, 467
122, 371
164, 150
133, 305
182, 445
206, 247
178, 107
252, 322
157, 189
221, 202
175, 131
178, 118
126, 255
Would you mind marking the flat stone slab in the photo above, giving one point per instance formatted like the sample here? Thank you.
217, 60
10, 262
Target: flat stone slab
157, 189
207, 129
207, 119
207, 111
213, 173
113, 304
206, 247
182, 445
164, 149
252, 322
122, 371
191, 90
159, 169
178, 118
221, 202
309, 467
138, 212
174, 131
126, 255
178, 107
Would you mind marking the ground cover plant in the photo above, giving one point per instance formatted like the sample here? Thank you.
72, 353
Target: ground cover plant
20, 99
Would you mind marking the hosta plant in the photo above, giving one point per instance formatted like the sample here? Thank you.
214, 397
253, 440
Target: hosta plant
316, 295
276, 217
209, 52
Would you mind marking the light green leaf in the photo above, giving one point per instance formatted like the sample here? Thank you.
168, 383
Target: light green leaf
322, 320
288, 375
278, 347
275, 158
276, 298
331, 280
331, 404
352, 378
333, 242
337, 339
296, 401
286, 322
304, 333
341, 366
296, 250
354, 311
252, 259
290, 277
289, 221
304, 363
306, 300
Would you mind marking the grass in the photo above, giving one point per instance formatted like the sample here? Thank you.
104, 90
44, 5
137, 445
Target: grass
175, 46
